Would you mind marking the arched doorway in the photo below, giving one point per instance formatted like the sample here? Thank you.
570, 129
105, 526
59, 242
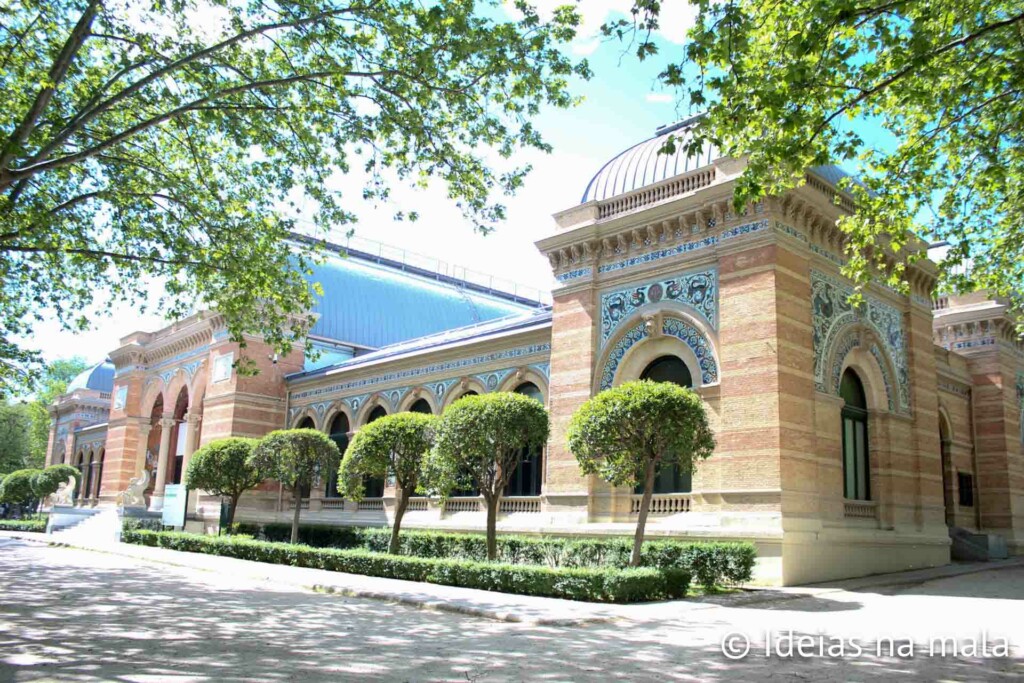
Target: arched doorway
88, 463
856, 468
671, 479
374, 486
80, 489
153, 442
526, 479
99, 472
339, 435
178, 435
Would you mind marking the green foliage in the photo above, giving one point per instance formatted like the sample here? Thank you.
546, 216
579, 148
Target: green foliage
711, 564
54, 382
628, 433
394, 445
943, 80
224, 468
161, 142
141, 524
18, 487
480, 440
34, 525
595, 584
15, 451
295, 457
47, 481
622, 432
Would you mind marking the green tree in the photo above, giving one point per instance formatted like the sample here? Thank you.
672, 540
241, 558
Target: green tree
224, 468
627, 434
18, 487
54, 382
14, 437
394, 445
480, 441
296, 458
795, 84
177, 141
46, 481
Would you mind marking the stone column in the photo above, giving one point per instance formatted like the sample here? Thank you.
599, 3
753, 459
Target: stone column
157, 501
191, 430
143, 446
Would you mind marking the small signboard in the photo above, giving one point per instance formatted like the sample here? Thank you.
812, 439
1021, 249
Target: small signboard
175, 501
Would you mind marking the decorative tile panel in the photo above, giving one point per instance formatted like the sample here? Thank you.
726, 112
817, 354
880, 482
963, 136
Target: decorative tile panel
431, 369
673, 327
698, 343
543, 368
832, 312
575, 274
492, 380
698, 290
886, 377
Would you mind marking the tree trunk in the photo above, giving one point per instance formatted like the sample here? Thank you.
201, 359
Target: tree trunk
492, 502
231, 511
401, 503
641, 520
298, 511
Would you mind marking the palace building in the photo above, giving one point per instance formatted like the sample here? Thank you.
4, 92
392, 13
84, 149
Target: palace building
850, 441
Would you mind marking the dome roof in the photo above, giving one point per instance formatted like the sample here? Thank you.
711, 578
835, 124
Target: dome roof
374, 305
642, 165
99, 377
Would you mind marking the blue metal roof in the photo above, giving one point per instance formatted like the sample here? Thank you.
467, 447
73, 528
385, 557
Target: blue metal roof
373, 305
99, 377
514, 323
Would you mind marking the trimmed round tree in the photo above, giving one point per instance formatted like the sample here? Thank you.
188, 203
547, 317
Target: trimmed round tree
224, 468
627, 434
18, 487
47, 481
296, 458
392, 445
480, 441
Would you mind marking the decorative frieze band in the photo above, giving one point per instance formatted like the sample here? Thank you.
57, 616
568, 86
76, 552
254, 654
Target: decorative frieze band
697, 289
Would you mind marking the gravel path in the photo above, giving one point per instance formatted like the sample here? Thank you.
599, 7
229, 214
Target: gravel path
77, 615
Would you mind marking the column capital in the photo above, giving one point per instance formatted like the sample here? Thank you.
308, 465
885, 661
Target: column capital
193, 418
167, 422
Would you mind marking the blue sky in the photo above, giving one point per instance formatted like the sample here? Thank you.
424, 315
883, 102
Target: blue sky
623, 104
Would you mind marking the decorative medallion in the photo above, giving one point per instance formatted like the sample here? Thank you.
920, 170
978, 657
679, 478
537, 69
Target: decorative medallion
698, 290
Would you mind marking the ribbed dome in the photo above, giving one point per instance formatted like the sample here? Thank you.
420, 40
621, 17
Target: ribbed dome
641, 165
99, 377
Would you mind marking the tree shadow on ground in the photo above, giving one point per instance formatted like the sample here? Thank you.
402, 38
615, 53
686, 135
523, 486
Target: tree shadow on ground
79, 616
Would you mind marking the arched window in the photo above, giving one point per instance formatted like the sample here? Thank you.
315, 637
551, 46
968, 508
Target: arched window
87, 468
374, 486
526, 479
672, 369
339, 435
856, 472
80, 484
421, 406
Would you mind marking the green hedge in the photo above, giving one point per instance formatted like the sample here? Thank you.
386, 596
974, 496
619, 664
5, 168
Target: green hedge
34, 525
594, 584
710, 564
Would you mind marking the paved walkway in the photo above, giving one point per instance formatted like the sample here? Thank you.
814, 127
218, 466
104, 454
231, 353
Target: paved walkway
74, 615
498, 606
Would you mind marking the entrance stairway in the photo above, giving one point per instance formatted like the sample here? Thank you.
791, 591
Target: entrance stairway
100, 526
972, 547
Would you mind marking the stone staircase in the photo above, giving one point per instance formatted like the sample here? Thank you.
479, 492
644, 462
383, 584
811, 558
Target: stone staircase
972, 547
100, 526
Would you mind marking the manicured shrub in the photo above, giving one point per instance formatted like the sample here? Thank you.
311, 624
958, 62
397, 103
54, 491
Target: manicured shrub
224, 468
479, 442
18, 487
600, 584
711, 564
36, 525
629, 433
